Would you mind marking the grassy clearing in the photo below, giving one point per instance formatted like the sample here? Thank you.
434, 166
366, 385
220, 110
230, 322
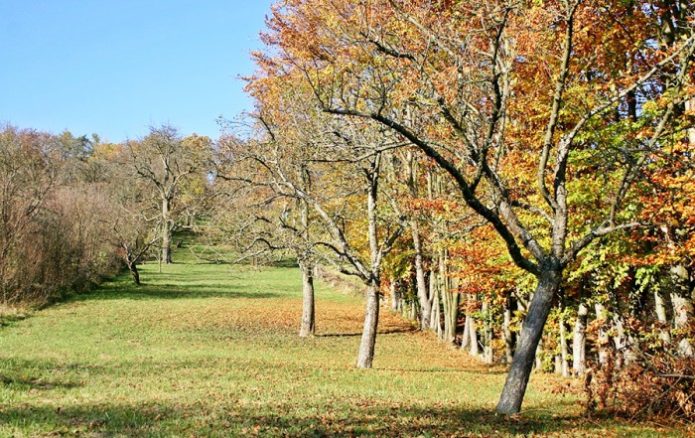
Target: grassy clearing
211, 350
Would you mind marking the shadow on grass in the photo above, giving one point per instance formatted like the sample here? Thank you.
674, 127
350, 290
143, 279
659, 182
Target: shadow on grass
283, 420
358, 334
466, 370
31, 383
87, 420
22, 374
151, 292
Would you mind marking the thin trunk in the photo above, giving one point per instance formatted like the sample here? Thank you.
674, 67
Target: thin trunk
579, 341
473, 333
308, 326
434, 305
531, 332
371, 318
395, 296
507, 331
564, 365
421, 284
487, 349
557, 364
465, 336
619, 340
451, 301
412, 315
538, 358
166, 231
602, 339
682, 307
371, 322
660, 309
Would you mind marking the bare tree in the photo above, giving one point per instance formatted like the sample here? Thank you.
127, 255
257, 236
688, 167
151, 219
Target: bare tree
163, 159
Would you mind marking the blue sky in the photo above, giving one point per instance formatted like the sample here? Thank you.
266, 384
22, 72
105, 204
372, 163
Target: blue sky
114, 67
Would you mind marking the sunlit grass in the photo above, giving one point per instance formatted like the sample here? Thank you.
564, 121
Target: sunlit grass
207, 349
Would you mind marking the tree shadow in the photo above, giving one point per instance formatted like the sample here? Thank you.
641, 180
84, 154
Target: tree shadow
172, 291
358, 419
23, 374
90, 420
357, 334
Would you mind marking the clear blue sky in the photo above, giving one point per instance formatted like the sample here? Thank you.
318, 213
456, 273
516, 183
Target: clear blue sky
114, 67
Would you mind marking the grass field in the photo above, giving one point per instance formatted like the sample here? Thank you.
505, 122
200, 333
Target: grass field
211, 350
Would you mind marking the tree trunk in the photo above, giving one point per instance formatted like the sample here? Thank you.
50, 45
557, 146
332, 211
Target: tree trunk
395, 296
371, 315
531, 332
466, 337
371, 321
166, 232
579, 341
473, 333
451, 302
538, 358
619, 341
421, 284
682, 307
134, 273
308, 327
660, 310
564, 366
488, 356
435, 305
602, 339
507, 331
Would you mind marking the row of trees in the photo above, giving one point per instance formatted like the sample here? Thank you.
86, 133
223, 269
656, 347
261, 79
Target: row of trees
73, 210
506, 172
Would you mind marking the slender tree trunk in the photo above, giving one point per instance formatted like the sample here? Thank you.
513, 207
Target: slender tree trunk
451, 301
507, 331
619, 341
531, 332
166, 231
473, 333
465, 336
564, 365
371, 317
682, 307
308, 326
488, 356
371, 322
395, 296
601, 316
538, 358
435, 306
579, 341
660, 310
421, 284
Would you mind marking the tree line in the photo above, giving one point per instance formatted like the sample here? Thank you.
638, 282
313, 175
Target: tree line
514, 176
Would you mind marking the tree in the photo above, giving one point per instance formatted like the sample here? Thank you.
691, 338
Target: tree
166, 161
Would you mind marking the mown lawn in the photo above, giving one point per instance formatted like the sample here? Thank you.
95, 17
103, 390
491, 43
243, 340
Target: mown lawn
211, 350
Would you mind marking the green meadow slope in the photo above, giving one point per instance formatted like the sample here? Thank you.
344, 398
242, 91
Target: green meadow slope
211, 350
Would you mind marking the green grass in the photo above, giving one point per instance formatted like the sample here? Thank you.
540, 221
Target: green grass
212, 350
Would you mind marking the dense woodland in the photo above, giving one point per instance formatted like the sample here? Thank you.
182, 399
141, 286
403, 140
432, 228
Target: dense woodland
514, 177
